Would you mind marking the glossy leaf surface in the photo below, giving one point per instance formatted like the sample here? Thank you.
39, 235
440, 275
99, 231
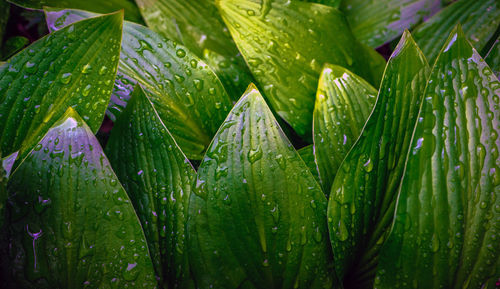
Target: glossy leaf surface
343, 103
130, 8
445, 233
493, 58
377, 22
72, 222
258, 217
186, 93
307, 155
286, 43
157, 176
75, 66
363, 194
479, 20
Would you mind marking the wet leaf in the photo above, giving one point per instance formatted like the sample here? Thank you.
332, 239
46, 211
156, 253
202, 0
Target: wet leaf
72, 222
4, 11
377, 22
364, 192
446, 224
186, 93
332, 3
74, 67
13, 45
232, 71
493, 58
343, 103
479, 20
286, 44
131, 10
157, 176
257, 216
307, 155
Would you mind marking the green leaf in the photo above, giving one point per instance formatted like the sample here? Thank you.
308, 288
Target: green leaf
479, 20
446, 224
343, 103
307, 155
232, 71
377, 22
8, 163
72, 222
13, 45
195, 24
186, 93
157, 176
3, 192
258, 217
493, 57
332, 3
364, 192
130, 8
74, 67
4, 11
286, 45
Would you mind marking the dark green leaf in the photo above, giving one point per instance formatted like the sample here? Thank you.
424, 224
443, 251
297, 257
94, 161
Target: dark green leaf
307, 155
445, 233
343, 103
74, 67
363, 194
377, 22
4, 11
99, 6
493, 58
72, 223
13, 45
3, 192
157, 176
232, 72
479, 20
195, 24
258, 217
186, 93
8, 163
286, 45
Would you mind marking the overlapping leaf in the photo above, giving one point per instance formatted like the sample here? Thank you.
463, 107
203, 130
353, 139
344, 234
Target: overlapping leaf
258, 217
72, 67
493, 58
130, 8
479, 20
307, 155
364, 191
157, 177
377, 22
186, 93
343, 103
72, 222
445, 233
286, 44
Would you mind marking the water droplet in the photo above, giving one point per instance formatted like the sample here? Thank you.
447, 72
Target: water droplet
265, 263
131, 272
254, 154
30, 67
65, 78
281, 161
179, 78
434, 243
198, 84
342, 232
103, 70
275, 212
180, 53
368, 165
86, 90
86, 68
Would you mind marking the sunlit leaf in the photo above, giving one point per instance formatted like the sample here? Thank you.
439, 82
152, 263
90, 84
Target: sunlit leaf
157, 176
445, 233
343, 103
479, 20
72, 224
257, 216
286, 45
75, 66
364, 192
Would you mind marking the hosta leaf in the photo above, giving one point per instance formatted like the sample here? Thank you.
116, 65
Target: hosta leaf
377, 22
157, 177
13, 45
445, 233
186, 93
257, 216
307, 155
343, 103
195, 24
74, 67
479, 20
4, 11
364, 191
3, 193
130, 8
333, 3
72, 222
232, 72
493, 58
286, 45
